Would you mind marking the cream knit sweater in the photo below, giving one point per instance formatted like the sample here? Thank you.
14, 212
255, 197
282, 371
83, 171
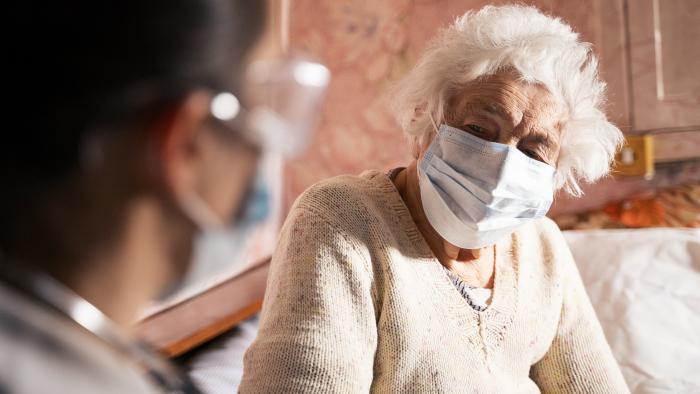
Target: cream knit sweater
356, 302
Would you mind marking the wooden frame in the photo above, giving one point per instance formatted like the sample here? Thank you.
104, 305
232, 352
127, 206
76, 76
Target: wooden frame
651, 51
190, 323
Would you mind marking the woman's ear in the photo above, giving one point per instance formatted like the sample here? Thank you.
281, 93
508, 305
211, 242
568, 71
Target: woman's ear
418, 113
424, 129
177, 152
416, 145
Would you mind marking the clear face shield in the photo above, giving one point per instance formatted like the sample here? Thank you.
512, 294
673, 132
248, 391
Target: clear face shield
286, 96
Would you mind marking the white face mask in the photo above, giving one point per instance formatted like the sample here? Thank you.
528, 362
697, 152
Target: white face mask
475, 192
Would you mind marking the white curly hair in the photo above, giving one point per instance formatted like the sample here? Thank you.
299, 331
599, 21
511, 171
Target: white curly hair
542, 49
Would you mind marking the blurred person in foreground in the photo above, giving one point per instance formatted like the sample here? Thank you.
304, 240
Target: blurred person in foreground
133, 137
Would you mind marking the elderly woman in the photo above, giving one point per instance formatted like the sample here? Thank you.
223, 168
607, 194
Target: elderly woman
445, 276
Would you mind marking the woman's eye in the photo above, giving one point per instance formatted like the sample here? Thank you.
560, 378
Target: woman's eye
532, 154
478, 130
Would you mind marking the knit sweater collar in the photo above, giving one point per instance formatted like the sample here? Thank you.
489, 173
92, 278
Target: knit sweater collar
494, 320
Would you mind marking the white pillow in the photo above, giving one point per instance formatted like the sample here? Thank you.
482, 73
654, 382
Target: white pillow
645, 287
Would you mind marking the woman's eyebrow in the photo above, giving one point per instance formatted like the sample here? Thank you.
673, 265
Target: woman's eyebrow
493, 108
544, 138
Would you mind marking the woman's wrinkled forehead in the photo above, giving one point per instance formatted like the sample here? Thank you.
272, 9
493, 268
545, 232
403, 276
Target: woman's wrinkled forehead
511, 97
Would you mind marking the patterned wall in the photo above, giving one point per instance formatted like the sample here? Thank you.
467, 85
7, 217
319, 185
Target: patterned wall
368, 44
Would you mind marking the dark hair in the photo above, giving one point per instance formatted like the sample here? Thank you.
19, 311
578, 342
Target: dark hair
83, 66
98, 67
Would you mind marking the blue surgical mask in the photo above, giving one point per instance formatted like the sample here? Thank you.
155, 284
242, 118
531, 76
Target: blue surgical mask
474, 192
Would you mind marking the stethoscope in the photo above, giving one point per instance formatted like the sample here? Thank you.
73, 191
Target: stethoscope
55, 295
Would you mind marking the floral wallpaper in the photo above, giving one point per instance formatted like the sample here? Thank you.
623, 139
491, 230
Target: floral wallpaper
369, 44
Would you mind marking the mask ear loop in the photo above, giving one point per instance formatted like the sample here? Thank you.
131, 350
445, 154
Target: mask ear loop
432, 121
199, 212
437, 131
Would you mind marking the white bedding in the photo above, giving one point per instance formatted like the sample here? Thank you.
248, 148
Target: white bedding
644, 284
645, 287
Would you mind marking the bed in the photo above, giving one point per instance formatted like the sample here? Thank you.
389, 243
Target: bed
645, 287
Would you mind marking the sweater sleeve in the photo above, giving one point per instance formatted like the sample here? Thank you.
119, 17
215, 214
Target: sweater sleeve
318, 326
579, 359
